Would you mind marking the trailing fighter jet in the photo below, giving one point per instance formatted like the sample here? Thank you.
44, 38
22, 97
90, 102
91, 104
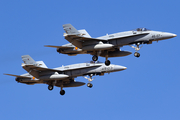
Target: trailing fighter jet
38, 73
108, 45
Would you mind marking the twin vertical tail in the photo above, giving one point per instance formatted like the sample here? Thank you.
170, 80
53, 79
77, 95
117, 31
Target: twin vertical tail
29, 61
70, 30
31, 66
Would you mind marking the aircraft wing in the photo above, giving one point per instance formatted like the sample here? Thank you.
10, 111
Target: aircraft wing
17, 76
39, 69
65, 47
81, 38
66, 68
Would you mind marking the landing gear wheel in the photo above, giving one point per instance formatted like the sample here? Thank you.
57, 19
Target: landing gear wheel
62, 92
107, 63
136, 54
95, 58
50, 87
89, 85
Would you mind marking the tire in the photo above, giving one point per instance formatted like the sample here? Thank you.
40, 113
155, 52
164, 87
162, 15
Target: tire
107, 63
50, 87
95, 58
136, 54
62, 92
90, 85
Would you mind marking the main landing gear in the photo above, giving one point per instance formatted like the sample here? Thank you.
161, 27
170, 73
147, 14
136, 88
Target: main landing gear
95, 58
89, 79
62, 92
137, 48
50, 87
107, 62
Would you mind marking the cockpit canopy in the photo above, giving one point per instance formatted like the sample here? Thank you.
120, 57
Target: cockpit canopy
142, 29
94, 62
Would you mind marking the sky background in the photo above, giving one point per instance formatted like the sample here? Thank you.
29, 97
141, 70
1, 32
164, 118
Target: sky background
147, 90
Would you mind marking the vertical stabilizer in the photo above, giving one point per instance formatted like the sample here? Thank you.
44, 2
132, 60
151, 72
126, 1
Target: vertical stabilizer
84, 33
41, 64
27, 59
31, 66
70, 30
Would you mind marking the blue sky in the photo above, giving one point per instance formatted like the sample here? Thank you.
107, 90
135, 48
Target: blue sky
148, 89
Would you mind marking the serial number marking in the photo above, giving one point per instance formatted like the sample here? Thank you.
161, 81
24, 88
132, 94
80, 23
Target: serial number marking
107, 68
156, 36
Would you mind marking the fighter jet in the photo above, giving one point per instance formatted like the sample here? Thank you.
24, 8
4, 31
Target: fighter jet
38, 73
108, 45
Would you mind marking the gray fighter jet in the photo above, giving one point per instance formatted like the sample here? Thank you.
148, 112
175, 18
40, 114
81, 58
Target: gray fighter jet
108, 45
38, 73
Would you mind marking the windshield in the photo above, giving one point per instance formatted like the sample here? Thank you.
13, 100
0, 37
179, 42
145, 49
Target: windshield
93, 62
142, 29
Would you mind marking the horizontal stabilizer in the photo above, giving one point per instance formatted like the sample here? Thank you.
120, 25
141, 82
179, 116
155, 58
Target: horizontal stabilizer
65, 47
17, 76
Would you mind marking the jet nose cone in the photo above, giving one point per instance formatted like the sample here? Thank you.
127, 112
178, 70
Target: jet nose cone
169, 35
174, 35
119, 68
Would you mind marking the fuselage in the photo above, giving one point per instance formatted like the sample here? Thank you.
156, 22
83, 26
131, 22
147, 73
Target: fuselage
65, 73
135, 36
113, 41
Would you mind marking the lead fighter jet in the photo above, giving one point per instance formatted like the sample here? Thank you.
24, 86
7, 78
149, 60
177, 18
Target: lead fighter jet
108, 45
38, 73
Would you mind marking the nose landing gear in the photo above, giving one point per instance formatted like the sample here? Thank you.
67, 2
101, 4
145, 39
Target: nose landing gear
89, 79
90, 85
136, 54
137, 48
